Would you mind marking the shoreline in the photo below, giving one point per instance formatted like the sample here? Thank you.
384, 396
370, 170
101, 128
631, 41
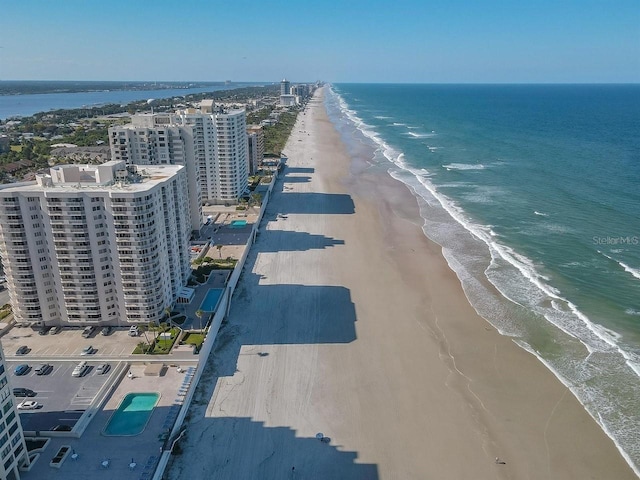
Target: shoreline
349, 321
417, 216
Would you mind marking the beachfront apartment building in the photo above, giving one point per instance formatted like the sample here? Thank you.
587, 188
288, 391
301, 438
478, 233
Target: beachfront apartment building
96, 244
211, 142
155, 139
255, 140
13, 450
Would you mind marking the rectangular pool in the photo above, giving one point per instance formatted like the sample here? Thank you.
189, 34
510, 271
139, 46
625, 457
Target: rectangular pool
238, 223
211, 300
132, 414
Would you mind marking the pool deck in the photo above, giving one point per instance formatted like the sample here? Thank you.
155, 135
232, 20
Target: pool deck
93, 447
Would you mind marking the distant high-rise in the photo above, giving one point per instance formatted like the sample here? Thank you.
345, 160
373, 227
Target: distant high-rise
285, 87
96, 244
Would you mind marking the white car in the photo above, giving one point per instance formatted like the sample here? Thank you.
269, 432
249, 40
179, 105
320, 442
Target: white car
80, 369
28, 405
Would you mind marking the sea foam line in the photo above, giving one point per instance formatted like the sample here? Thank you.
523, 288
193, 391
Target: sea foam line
633, 271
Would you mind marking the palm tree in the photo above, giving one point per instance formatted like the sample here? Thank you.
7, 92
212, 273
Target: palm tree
143, 329
199, 314
219, 247
255, 199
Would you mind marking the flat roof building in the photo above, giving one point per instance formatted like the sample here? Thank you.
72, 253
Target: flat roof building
96, 245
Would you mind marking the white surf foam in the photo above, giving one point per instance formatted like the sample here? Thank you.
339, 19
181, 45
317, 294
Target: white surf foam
635, 272
420, 135
540, 213
464, 166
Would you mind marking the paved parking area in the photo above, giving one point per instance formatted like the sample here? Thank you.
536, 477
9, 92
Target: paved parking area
94, 447
62, 397
69, 342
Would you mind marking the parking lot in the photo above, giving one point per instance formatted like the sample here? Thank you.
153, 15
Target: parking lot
61, 397
69, 343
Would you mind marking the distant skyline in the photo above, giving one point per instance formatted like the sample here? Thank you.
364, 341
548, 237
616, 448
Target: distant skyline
413, 41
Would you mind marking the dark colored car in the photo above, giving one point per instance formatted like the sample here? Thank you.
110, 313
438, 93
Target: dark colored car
61, 428
23, 350
43, 369
21, 369
106, 331
44, 330
23, 392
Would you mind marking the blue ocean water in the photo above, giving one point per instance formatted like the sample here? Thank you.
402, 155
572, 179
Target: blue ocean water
533, 191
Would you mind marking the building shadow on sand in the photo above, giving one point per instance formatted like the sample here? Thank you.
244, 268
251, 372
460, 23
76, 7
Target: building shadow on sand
268, 453
288, 240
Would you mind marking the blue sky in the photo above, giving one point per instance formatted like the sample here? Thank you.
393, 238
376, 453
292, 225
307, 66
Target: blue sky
339, 41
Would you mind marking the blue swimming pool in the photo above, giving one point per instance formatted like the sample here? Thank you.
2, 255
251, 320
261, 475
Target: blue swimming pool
238, 223
211, 300
132, 415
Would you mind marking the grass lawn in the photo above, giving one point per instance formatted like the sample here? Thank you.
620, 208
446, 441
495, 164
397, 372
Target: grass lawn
196, 339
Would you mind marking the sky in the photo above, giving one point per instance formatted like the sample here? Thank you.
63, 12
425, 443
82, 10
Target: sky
408, 41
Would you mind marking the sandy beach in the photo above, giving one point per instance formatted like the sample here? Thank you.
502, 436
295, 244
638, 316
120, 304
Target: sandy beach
348, 322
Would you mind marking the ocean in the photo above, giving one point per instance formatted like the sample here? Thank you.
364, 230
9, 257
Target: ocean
533, 192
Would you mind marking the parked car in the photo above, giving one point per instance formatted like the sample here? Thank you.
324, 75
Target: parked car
21, 369
43, 369
44, 330
23, 350
61, 428
80, 369
88, 331
106, 331
55, 330
87, 350
28, 405
133, 331
103, 368
23, 392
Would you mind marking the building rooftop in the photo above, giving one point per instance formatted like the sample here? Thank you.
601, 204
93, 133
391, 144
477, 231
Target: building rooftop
112, 176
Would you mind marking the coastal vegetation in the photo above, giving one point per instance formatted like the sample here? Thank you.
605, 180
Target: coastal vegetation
27, 145
276, 136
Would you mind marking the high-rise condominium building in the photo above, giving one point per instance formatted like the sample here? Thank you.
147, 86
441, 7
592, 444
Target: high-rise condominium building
96, 245
211, 143
13, 450
255, 137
